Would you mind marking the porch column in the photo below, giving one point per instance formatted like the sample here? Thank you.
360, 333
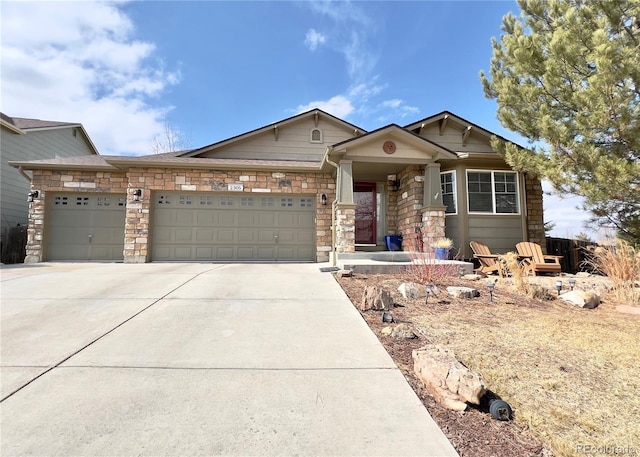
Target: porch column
433, 216
345, 235
345, 181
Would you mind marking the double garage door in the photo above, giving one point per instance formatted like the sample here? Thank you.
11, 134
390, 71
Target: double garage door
185, 227
233, 227
86, 227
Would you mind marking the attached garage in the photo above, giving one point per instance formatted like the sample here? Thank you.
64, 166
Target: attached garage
86, 227
189, 226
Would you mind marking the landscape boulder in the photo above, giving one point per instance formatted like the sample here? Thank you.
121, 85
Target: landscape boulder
376, 298
472, 277
449, 381
409, 290
462, 292
403, 331
581, 298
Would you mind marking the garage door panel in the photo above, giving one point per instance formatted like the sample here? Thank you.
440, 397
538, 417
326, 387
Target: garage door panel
246, 253
266, 219
184, 235
184, 218
183, 253
233, 227
225, 235
205, 218
246, 218
266, 236
85, 227
225, 253
205, 235
266, 253
247, 236
226, 218
204, 253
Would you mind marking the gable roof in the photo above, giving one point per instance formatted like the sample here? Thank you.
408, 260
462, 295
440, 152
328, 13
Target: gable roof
23, 125
444, 116
316, 113
400, 132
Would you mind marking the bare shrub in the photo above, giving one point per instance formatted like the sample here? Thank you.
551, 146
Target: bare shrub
620, 261
425, 268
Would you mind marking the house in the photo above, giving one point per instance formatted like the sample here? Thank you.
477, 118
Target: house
301, 189
32, 139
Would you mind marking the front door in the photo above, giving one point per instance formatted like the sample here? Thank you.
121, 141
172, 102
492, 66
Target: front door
364, 196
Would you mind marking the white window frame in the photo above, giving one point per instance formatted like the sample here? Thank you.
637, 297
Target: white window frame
455, 191
493, 192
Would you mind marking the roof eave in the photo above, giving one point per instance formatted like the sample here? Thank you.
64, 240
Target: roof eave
12, 127
127, 164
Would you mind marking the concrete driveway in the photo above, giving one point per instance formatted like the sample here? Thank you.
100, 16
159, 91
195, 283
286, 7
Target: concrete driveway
197, 359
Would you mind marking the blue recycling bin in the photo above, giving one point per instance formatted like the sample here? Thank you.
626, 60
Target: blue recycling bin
393, 242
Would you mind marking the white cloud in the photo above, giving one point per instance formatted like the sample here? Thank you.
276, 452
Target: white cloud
339, 106
565, 213
80, 62
313, 39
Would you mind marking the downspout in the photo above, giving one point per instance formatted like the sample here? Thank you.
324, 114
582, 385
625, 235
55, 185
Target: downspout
334, 251
26, 176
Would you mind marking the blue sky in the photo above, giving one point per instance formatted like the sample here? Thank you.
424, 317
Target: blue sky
217, 69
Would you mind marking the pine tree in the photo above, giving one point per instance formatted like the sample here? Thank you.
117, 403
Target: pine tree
566, 75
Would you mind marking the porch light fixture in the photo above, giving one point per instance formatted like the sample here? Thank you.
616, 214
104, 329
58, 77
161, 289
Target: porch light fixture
572, 283
137, 195
491, 286
394, 182
558, 286
323, 199
31, 195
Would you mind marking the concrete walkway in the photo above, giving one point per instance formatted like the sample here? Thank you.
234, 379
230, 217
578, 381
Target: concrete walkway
197, 359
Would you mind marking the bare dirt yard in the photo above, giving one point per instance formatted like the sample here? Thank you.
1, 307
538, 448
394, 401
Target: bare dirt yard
571, 375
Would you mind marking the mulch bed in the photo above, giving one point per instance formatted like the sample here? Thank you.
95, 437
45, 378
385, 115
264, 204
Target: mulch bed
473, 432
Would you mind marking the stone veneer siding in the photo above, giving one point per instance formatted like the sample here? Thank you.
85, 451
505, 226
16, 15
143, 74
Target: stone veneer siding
535, 211
345, 227
138, 214
409, 204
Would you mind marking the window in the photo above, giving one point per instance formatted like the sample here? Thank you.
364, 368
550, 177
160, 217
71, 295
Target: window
316, 136
494, 192
448, 183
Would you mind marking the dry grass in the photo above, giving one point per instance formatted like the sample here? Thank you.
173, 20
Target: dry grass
620, 261
570, 374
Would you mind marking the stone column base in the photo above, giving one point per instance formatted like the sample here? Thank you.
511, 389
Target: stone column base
345, 227
433, 226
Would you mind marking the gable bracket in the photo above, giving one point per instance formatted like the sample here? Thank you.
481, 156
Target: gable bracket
316, 115
421, 128
465, 135
275, 132
443, 123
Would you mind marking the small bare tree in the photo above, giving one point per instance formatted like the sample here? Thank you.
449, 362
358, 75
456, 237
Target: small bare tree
170, 140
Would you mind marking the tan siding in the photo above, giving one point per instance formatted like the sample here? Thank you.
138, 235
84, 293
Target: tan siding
293, 143
451, 231
452, 139
500, 233
37, 145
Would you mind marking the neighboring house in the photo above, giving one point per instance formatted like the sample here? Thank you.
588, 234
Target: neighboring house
295, 190
33, 139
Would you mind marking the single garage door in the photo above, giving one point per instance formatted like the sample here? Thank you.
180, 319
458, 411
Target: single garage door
86, 227
223, 227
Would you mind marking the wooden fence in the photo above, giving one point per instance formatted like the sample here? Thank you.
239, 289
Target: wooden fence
14, 242
573, 253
